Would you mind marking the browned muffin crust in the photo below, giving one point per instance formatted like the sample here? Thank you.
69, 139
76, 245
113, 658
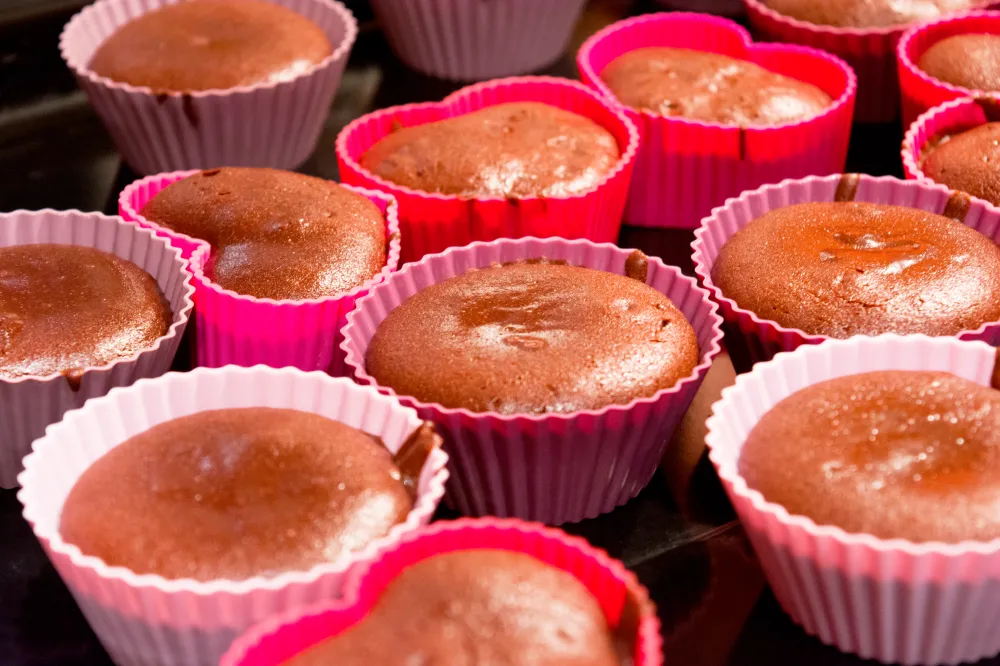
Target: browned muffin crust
896, 454
843, 269
512, 150
869, 13
532, 338
969, 61
235, 493
476, 606
211, 45
66, 308
710, 87
968, 161
276, 234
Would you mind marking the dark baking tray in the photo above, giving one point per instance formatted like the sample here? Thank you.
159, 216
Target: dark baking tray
679, 535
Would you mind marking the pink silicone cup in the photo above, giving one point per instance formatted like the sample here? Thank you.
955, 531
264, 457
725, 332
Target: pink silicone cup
236, 329
750, 339
274, 642
686, 167
431, 222
553, 468
30, 403
919, 90
887, 599
268, 124
472, 41
146, 619
957, 115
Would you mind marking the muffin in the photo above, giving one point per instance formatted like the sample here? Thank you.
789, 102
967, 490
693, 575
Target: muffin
199, 45
710, 87
276, 234
850, 268
895, 454
236, 493
968, 61
66, 308
520, 149
500, 606
967, 161
534, 337
868, 13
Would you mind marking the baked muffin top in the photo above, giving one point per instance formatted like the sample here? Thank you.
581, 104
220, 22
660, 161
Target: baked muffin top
969, 61
869, 13
968, 161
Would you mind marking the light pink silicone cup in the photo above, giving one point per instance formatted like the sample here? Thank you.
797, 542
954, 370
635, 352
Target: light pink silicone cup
268, 124
887, 599
686, 167
921, 91
431, 222
29, 403
279, 639
553, 468
146, 619
471, 40
951, 117
236, 329
749, 338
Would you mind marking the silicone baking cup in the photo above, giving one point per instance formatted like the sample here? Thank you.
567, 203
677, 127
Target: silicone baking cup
921, 91
279, 639
749, 338
268, 124
146, 619
470, 40
553, 468
951, 117
236, 329
887, 599
431, 222
29, 403
685, 167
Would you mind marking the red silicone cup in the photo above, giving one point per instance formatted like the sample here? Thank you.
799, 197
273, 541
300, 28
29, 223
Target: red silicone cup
553, 468
750, 339
432, 222
236, 329
274, 642
957, 115
686, 167
920, 91
267, 124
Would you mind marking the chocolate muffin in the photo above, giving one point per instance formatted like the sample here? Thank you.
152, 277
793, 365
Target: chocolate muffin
710, 87
211, 45
236, 493
533, 338
66, 308
896, 454
844, 268
968, 61
521, 149
276, 234
968, 161
869, 13
476, 606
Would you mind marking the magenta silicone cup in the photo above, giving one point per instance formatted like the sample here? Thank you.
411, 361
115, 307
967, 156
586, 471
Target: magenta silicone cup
886, 599
236, 329
144, 619
686, 167
29, 403
274, 642
553, 468
952, 117
471, 40
921, 91
268, 124
749, 338
432, 222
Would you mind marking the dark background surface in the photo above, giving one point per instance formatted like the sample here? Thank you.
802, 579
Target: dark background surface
679, 535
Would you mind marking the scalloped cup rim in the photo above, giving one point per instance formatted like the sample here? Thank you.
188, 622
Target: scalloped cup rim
583, 62
729, 473
706, 356
698, 254
425, 504
340, 51
624, 159
182, 316
902, 50
908, 148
